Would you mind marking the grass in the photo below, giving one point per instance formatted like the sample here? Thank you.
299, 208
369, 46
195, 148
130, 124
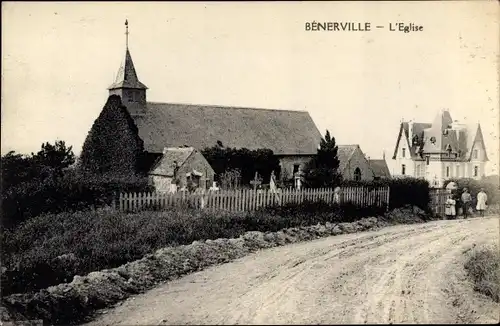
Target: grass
51, 249
483, 267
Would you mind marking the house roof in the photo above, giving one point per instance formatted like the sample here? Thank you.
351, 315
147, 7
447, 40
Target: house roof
379, 168
165, 164
344, 155
439, 136
437, 141
127, 76
404, 135
199, 126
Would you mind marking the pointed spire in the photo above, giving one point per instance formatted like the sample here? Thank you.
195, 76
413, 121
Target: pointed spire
127, 76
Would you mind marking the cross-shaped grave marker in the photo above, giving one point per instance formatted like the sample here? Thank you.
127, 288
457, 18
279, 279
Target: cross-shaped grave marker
256, 181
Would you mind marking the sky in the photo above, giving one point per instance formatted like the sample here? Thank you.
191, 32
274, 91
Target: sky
59, 58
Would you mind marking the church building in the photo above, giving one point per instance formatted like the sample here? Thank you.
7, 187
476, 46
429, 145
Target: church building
291, 135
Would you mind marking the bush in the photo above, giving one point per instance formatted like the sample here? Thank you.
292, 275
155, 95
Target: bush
51, 249
68, 193
403, 191
482, 267
113, 144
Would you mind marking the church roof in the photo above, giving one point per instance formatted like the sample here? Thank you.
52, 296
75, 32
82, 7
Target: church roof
173, 125
127, 76
380, 168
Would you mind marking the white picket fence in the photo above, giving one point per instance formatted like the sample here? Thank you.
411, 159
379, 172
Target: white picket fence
250, 200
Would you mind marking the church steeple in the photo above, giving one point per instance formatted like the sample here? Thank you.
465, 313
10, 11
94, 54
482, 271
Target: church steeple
127, 84
127, 76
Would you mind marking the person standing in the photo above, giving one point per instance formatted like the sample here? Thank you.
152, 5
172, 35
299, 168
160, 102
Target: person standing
481, 202
450, 207
466, 199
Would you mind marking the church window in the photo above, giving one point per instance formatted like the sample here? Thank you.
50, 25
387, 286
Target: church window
130, 96
403, 169
476, 153
403, 152
357, 174
427, 160
447, 171
476, 172
457, 171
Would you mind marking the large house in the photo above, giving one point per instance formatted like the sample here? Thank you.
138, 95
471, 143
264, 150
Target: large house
439, 150
291, 135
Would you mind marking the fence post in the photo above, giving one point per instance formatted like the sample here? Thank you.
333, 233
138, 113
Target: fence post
113, 202
387, 198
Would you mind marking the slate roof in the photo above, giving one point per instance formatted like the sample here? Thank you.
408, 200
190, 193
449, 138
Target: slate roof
171, 124
344, 154
127, 76
380, 168
165, 164
443, 137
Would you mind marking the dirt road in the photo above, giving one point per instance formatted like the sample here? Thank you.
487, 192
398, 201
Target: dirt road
401, 274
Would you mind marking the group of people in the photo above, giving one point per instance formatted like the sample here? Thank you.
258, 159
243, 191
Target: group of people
465, 200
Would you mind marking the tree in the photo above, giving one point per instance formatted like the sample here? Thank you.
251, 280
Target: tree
231, 163
113, 146
322, 170
57, 156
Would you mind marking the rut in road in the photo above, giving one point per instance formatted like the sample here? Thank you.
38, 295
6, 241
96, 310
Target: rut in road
401, 274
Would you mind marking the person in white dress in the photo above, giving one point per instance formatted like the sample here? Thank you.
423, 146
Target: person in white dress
481, 202
450, 207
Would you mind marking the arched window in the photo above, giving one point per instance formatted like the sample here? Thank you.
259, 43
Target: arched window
357, 174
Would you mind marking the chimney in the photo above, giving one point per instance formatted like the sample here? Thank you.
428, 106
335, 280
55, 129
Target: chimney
410, 131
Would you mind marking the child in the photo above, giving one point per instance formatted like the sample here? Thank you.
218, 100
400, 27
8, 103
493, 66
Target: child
450, 208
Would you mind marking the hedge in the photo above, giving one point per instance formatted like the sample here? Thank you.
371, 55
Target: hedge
69, 193
403, 191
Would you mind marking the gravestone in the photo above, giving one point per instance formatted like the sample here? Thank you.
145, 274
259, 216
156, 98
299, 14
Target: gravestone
256, 181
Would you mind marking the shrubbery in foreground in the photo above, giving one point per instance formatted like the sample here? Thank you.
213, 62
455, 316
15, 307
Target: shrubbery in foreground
51, 249
483, 268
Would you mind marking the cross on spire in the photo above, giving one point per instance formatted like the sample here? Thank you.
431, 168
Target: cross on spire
126, 33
